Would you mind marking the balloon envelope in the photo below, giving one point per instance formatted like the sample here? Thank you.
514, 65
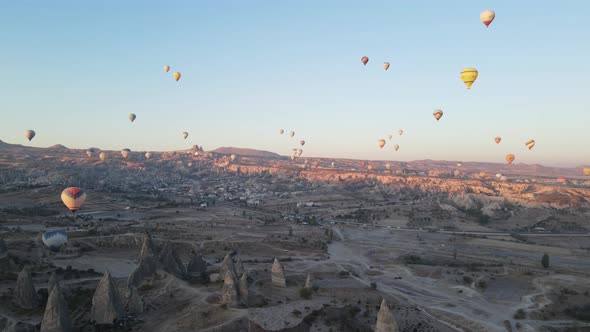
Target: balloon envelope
510, 158
102, 156
166, 68
381, 143
386, 65
365, 60
487, 16
396, 147
530, 143
233, 157
125, 153
291, 133
302, 142
132, 117
437, 114
148, 155
400, 132
468, 76
29, 134
54, 240
586, 170
176, 75
184, 134
497, 139
73, 198
281, 131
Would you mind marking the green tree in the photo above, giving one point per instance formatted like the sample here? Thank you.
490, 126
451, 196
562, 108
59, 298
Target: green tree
545, 260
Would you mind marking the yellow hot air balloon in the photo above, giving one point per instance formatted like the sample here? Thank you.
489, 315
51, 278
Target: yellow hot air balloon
386, 65
468, 75
131, 117
176, 75
530, 143
381, 143
586, 170
497, 139
487, 16
73, 198
184, 134
437, 114
396, 147
370, 167
364, 60
166, 68
510, 158
102, 156
29, 134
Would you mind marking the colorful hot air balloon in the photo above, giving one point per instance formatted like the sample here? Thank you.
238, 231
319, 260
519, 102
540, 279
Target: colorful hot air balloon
459, 164
291, 133
176, 75
131, 117
468, 75
281, 131
400, 132
54, 240
166, 68
381, 143
389, 136
437, 114
233, 157
103, 156
510, 158
29, 134
148, 155
370, 167
386, 65
365, 60
302, 142
73, 198
530, 143
497, 139
487, 16
125, 153
586, 171
396, 147
184, 134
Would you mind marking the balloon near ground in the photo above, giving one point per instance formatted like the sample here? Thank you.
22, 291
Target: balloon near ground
103, 156
73, 198
54, 240
125, 153
510, 158
148, 155
29, 134
468, 76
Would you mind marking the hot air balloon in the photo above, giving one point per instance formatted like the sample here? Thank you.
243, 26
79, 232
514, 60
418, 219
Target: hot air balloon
281, 131
102, 156
503, 178
73, 198
400, 132
487, 16
131, 117
166, 68
148, 155
498, 175
437, 114
125, 153
91, 151
381, 143
396, 147
468, 75
388, 166
389, 137
510, 158
29, 134
497, 139
293, 152
302, 142
299, 152
54, 240
459, 164
333, 164
364, 60
291, 133
586, 171
233, 157
530, 143
370, 167
176, 75
362, 164
386, 65
292, 157
184, 134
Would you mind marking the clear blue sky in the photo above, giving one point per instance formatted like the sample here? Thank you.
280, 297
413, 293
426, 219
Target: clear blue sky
73, 70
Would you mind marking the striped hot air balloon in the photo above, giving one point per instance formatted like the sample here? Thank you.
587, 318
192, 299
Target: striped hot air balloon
73, 198
54, 240
468, 75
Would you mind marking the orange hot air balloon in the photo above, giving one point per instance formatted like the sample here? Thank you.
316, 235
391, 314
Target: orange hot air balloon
166, 68
497, 139
365, 60
176, 75
586, 170
381, 143
370, 167
437, 114
73, 198
510, 158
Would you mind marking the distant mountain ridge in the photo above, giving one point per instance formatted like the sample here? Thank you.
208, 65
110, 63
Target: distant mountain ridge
246, 152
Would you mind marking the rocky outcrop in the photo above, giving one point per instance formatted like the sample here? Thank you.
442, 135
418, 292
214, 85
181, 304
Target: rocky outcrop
52, 282
147, 248
196, 267
57, 316
171, 262
244, 290
227, 265
25, 295
278, 274
145, 271
385, 320
229, 291
134, 302
239, 267
308, 281
106, 302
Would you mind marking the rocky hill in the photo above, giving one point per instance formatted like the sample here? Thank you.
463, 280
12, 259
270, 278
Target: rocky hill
246, 152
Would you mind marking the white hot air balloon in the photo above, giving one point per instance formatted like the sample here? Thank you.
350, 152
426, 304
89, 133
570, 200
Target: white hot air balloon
381, 143
291, 133
389, 136
54, 240
148, 155
233, 157
396, 147
184, 134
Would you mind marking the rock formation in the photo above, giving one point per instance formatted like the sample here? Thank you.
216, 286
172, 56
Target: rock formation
227, 265
52, 282
57, 315
171, 262
308, 281
106, 302
146, 270
278, 275
239, 267
3, 255
147, 248
385, 320
25, 295
244, 290
134, 302
196, 267
3, 248
229, 291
